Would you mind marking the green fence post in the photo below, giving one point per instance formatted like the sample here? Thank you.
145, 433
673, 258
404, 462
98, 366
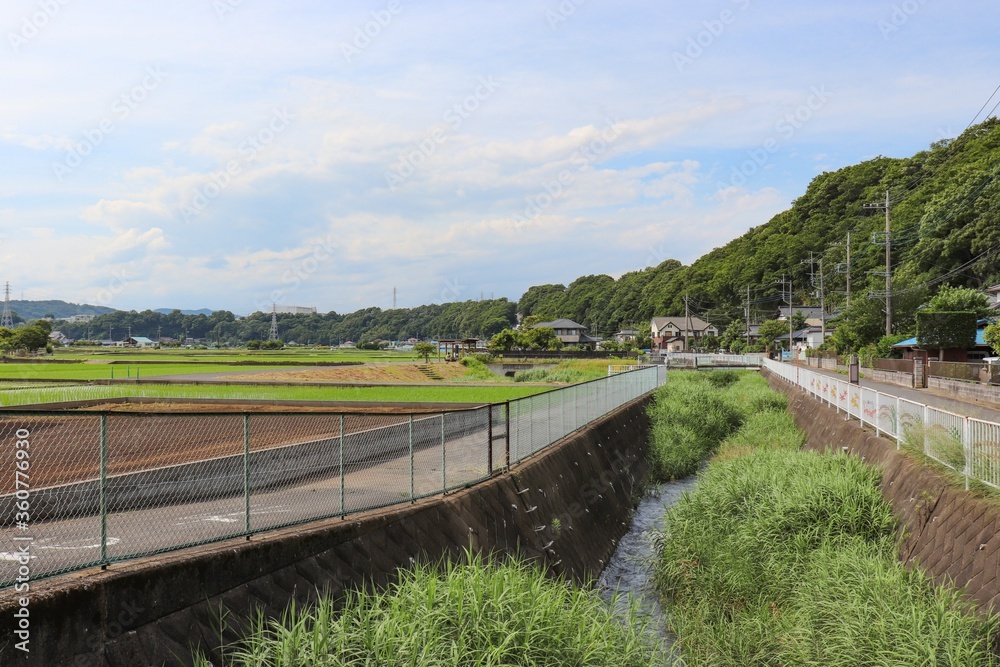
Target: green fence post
489, 440
444, 460
506, 434
413, 495
104, 491
343, 513
246, 474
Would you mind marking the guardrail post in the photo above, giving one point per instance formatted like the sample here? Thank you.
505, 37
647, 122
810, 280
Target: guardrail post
343, 513
104, 491
246, 474
444, 461
927, 420
548, 417
966, 449
489, 446
413, 495
899, 423
506, 433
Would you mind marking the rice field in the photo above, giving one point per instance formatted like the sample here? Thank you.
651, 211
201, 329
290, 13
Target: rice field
398, 393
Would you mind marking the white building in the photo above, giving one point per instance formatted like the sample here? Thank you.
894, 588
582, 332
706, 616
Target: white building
295, 310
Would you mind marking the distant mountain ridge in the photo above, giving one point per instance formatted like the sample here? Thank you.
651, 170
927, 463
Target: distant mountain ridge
33, 310
200, 311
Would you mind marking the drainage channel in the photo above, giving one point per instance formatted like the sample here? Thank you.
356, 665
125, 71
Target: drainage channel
629, 573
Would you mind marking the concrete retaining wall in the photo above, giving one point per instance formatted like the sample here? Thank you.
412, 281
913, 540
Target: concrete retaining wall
947, 531
984, 393
150, 611
890, 377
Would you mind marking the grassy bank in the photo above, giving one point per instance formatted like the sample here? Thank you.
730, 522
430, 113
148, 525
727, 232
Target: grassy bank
476, 613
785, 557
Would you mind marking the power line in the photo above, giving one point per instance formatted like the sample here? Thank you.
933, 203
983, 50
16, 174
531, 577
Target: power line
971, 122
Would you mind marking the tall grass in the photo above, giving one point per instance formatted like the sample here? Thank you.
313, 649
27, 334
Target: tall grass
784, 557
695, 411
476, 613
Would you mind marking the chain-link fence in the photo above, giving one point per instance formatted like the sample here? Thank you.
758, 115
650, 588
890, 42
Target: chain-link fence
968, 446
82, 489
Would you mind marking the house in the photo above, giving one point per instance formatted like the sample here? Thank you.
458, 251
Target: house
994, 294
813, 314
138, 341
668, 333
626, 335
60, 337
980, 351
570, 333
810, 337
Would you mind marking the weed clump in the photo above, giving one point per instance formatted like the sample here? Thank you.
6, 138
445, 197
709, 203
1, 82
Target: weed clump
476, 613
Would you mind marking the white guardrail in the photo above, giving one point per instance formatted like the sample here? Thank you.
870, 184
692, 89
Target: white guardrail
967, 445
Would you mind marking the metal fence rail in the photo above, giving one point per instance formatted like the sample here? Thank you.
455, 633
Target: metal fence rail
964, 444
84, 489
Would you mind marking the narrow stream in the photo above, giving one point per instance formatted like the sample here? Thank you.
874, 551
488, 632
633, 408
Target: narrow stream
629, 573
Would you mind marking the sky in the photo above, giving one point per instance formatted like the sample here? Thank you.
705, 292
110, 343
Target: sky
231, 154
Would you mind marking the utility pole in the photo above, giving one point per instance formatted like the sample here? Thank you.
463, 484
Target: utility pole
687, 321
822, 301
888, 260
790, 325
748, 315
845, 268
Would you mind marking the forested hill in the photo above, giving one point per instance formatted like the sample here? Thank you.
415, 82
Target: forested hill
945, 215
945, 221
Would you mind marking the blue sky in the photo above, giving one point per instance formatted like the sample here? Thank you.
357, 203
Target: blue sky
231, 153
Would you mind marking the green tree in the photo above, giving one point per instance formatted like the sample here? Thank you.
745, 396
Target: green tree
425, 349
992, 336
542, 338
30, 339
773, 331
505, 341
953, 299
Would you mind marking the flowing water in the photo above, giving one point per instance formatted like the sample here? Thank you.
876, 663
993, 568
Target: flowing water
630, 571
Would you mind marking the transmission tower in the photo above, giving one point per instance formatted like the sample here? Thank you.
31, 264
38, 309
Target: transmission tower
274, 322
6, 320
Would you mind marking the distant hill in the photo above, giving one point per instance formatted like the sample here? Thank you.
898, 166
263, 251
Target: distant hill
200, 311
33, 310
